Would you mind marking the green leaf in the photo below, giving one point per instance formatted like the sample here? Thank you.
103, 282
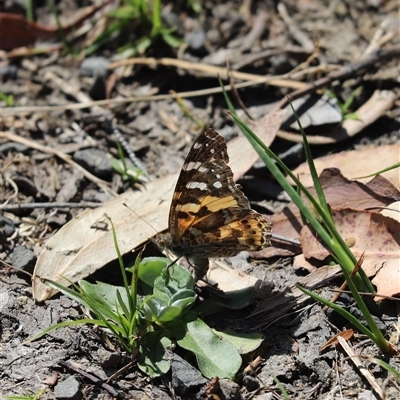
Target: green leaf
104, 293
235, 300
8, 99
151, 268
183, 298
244, 342
125, 12
153, 360
172, 40
174, 279
169, 314
215, 355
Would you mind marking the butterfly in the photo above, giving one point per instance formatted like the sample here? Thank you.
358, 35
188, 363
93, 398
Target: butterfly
209, 215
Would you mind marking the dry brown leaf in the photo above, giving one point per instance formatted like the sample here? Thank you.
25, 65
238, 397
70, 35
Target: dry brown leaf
300, 262
340, 193
356, 163
346, 334
375, 235
242, 154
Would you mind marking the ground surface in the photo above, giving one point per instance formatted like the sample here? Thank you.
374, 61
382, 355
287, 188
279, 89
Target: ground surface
257, 39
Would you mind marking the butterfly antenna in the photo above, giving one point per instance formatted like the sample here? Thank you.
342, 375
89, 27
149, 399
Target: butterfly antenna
151, 226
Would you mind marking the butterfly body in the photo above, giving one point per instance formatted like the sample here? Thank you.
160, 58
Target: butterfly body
209, 215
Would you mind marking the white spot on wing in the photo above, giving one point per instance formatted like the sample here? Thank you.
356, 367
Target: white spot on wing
212, 151
197, 145
192, 165
217, 185
196, 185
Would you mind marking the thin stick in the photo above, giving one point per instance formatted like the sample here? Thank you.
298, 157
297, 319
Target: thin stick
31, 206
346, 72
363, 370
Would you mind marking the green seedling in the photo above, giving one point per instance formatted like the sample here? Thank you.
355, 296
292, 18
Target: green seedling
8, 99
128, 173
345, 105
143, 17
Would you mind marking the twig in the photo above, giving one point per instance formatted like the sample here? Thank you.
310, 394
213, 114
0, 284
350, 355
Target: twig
97, 381
235, 92
9, 111
255, 32
209, 70
285, 239
251, 58
46, 149
31, 206
343, 73
364, 371
294, 30
380, 38
270, 80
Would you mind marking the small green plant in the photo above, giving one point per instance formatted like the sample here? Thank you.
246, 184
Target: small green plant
8, 99
147, 325
128, 173
320, 218
27, 396
143, 17
345, 105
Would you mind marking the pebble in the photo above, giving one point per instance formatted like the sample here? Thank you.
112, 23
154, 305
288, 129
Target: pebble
230, 390
8, 225
23, 257
108, 359
313, 111
95, 161
251, 383
8, 72
196, 38
185, 378
94, 66
144, 124
68, 389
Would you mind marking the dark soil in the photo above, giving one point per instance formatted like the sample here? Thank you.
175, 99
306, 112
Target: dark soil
159, 133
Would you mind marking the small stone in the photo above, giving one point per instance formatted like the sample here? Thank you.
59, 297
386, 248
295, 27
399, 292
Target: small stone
68, 389
23, 258
144, 124
94, 160
251, 383
196, 38
230, 390
7, 225
185, 378
108, 359
94, 66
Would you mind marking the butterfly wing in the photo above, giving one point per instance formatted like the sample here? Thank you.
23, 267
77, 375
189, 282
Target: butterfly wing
209, 213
